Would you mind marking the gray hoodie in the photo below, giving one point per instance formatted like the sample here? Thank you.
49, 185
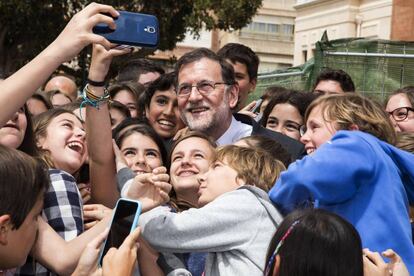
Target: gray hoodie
235, 229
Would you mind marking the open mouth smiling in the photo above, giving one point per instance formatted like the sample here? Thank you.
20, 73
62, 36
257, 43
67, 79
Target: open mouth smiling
76, 146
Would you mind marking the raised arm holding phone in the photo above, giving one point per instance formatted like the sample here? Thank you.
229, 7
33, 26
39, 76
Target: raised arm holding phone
17, 88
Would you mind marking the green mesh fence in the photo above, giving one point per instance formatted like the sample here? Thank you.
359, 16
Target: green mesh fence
377, 67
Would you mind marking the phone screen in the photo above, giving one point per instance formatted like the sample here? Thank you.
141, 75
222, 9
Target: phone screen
123, 221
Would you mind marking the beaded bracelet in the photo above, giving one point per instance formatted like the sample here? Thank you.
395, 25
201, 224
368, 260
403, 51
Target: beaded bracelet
92, 100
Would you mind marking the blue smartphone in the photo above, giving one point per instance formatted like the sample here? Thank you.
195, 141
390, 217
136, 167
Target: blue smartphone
124, 221
134, 29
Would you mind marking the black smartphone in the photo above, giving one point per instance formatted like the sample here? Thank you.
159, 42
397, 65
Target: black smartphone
124, 221
134, 29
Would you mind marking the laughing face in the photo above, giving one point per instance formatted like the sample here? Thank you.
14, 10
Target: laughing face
318, 131
163, 113
12, 133
65, 140
190, 158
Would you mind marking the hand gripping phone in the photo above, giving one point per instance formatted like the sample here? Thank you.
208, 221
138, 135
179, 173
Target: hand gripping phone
124, 221
134, 29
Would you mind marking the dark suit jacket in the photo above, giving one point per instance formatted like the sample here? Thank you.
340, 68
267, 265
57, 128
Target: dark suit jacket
294, 147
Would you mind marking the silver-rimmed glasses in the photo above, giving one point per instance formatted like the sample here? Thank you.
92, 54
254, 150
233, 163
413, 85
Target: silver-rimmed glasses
203, 87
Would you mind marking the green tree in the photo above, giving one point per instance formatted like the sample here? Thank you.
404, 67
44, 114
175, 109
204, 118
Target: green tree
28, 26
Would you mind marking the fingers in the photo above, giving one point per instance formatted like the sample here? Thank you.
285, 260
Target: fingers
98, 39
164, 196
90, 207
180, 133
143, 178
114, 52
95, 8
160, 177
96, 214
86, 198
248, 113
132, 239
101, 18
163, 186
249, 107
390, 254
111, 252
375, 257
89, 225
85, 192
159, 170
117, 151
98, 240
83, 186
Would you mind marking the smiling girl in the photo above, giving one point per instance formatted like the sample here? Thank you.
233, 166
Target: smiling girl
400, 107
61, 139
160, 104
285, 111
353, 170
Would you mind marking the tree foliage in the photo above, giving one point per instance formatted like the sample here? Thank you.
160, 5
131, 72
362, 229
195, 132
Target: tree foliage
28, 26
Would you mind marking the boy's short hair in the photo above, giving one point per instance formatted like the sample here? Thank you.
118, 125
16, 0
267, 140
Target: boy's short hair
272, 91
340, 76
23, 180
227, 70
273, 147
254, 167
133, 69
163, 83
236, 52
346, 110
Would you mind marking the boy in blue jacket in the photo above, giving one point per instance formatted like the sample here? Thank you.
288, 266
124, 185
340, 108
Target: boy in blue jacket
353, 170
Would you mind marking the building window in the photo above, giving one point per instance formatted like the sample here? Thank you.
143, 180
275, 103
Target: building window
304, 56
275, 31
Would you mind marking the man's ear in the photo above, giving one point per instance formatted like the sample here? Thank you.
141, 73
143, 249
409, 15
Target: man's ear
253, 83
233, 94
5, 226
276, 268
353, 127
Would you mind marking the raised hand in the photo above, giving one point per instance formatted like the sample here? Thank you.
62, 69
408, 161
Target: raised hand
247, 110
119, 158
94, 213
374, 265
122, 261
88, 262
151, 189
102, 58
78, 32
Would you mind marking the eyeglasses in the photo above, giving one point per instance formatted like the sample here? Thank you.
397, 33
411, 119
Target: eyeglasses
401, 113
203, 87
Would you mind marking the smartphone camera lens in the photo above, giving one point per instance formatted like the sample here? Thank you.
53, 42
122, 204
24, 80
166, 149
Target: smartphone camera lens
150, 29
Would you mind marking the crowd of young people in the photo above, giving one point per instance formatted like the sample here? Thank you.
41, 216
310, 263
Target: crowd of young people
312, 183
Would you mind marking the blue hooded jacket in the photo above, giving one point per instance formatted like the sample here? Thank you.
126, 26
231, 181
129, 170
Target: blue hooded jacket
361, 178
